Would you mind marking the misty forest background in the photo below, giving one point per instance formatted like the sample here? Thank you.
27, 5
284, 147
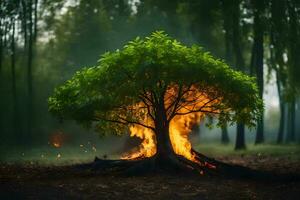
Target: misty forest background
44, 42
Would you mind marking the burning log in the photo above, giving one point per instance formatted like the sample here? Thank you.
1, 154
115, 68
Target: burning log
157, 89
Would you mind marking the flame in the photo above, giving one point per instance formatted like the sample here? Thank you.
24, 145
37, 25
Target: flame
57, 139
179, 128
148, 146
181, 125
56, 144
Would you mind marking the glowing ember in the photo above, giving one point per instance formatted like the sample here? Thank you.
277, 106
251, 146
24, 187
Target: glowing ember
57, 139
179, 128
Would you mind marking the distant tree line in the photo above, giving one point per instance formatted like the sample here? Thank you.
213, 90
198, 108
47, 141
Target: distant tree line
42, 42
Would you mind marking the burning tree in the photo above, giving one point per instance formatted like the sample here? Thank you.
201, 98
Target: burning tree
157, 89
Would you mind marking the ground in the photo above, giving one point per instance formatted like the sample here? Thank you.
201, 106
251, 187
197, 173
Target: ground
32, 181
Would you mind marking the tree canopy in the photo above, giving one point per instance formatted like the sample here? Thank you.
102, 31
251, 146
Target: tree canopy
128, 85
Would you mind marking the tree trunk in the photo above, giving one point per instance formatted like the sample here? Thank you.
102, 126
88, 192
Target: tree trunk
258, 58
24, 22
282, 112
291, 121
228, 54
240, 65
14, 89
1, 60
225, 137
281, 123
29, 73
293, 61
35, 19
165, 155
1, 47
240, 137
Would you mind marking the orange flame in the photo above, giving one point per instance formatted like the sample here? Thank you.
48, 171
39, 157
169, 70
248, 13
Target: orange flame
179, 128
57, 139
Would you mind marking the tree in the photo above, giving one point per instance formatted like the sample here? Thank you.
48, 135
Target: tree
293, 60
234, 51
258, 58
278, 37
30, 55
227, 26
156, 86
13, 75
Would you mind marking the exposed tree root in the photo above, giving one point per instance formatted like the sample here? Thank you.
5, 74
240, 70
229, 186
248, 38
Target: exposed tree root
203, 166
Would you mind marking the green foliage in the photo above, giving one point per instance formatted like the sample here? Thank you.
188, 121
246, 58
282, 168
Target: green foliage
105, 90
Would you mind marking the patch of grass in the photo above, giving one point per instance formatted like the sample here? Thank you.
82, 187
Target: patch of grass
70, 155
263, 149
67, 155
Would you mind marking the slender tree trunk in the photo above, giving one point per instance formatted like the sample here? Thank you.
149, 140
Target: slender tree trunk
293, 55
225, 137
276, 48
281, 123
240, 65
258, 58
253, 59
291, 120
228, 56
240, 137
1, 61
35, 19
282, 112
24, 22
14, 89
5, 35
1, 47
29, 72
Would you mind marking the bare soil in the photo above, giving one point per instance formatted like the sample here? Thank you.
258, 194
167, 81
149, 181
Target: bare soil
40, 182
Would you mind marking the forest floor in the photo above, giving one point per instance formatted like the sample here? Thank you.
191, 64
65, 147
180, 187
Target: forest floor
33, 181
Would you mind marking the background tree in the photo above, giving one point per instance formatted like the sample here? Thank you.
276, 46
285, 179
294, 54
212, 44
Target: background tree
278, 39
258, 57
71, 35
234, 51
294, 61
